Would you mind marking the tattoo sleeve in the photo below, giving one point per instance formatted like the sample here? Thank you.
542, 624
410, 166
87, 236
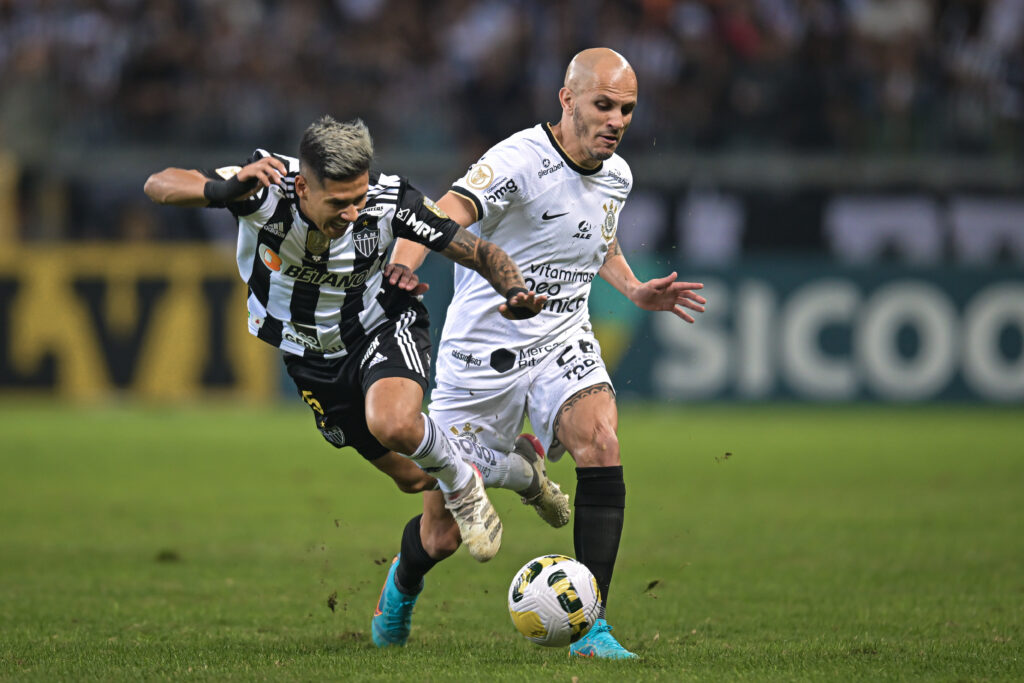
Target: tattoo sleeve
486, 258
613, 251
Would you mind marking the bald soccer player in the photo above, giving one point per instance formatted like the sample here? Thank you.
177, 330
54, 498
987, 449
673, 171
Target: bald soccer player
551, 196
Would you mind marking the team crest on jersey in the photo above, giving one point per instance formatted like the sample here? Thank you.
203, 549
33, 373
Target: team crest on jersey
608, 227
366, 238
480, 176
316, 243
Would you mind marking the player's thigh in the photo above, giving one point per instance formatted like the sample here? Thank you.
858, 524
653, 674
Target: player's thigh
333, 393
586, 425
572, 401
490, 417
393, 371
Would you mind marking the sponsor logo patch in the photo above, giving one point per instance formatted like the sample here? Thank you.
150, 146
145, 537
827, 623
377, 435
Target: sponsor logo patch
434, 208
228, 172
315, 277
479, 176
373, 347
502, 360
316, 242
509, 187
419, 227
469, 358
270, 258
616, 178
275, 228
376, 210
549, 168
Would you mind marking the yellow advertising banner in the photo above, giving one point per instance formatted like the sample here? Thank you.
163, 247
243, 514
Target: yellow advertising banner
160, 322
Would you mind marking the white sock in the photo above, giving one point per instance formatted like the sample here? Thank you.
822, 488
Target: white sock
437, 458
499, 470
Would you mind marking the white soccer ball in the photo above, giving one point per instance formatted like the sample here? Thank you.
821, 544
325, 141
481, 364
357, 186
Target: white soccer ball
554, 600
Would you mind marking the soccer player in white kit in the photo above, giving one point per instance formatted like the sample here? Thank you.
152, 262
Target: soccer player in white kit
551, 196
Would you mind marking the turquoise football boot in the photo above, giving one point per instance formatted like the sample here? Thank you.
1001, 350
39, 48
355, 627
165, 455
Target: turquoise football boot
392, 619
600, 644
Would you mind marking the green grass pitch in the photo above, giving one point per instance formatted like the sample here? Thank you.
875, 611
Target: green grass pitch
762, 543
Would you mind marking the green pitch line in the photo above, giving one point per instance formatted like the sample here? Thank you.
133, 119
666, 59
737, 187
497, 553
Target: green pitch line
761, 544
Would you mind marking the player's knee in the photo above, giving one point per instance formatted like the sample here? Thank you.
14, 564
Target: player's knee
400, 433
600, 449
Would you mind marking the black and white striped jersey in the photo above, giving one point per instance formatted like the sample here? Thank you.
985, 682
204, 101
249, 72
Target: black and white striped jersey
316, 297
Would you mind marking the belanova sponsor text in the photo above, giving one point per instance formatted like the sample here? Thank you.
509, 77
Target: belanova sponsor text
316, 277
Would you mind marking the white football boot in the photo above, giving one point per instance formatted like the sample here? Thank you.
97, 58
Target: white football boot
544, 495
477, 519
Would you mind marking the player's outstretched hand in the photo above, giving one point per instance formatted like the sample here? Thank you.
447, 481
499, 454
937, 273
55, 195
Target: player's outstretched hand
266, 172
665, 294
522, 304
404, 278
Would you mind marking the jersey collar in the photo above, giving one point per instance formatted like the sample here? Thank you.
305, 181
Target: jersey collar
565, 157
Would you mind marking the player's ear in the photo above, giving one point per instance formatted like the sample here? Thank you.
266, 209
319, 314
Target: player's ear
301, 188
567, 99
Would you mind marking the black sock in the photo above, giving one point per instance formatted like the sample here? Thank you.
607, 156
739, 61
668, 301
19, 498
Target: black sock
414, 562
600, 509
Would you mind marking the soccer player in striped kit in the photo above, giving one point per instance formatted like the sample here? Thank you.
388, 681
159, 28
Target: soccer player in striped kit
314, 233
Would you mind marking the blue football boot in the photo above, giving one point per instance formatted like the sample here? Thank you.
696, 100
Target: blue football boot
392, 619
600, 643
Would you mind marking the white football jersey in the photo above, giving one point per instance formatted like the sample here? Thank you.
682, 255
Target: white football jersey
556, 220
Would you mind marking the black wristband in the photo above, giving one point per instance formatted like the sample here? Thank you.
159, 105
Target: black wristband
223, 191
513, 291
518, 312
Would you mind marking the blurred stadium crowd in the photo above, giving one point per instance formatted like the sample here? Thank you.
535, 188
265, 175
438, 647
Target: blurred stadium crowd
714, 74
450, 77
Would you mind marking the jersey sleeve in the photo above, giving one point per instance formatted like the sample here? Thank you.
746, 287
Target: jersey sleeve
494, 182
421, 220
246, 206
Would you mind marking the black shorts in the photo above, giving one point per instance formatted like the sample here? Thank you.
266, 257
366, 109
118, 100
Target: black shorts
335, 389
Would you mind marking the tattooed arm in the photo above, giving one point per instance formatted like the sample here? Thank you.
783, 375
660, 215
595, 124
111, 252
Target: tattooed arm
497, 268
659, 294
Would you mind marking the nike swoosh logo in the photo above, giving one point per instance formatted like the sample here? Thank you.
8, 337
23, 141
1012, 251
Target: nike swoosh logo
546, 217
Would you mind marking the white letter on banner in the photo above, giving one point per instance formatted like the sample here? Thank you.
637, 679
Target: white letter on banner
932, 315
754, 337
694, 362
807, 369
985, 369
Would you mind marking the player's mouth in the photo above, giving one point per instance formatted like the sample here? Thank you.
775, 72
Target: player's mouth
611, 140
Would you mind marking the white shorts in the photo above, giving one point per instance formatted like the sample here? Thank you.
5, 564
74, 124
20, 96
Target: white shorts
495, 417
